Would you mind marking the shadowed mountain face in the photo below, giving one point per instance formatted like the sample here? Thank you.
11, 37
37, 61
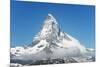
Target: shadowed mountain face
52, 44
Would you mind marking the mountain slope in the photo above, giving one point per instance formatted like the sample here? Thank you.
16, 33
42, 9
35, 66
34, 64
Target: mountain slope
51, 43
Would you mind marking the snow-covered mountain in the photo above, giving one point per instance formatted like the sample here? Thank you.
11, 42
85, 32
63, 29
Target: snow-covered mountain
51, 43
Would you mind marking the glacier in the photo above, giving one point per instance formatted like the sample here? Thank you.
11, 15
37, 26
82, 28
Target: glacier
52, 43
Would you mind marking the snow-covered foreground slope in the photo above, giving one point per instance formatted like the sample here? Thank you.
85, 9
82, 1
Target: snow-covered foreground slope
51, 43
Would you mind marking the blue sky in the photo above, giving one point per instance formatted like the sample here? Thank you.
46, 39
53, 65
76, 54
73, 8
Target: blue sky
76, 20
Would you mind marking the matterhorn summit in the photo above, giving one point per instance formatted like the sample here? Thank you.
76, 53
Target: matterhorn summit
51, 43
52, 34
49, 29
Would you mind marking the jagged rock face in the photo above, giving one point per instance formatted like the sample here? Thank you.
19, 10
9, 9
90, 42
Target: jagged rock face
50, 30
50, 43
53, 35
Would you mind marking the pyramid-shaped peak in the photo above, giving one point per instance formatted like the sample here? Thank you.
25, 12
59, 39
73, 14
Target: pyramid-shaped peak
50, 18
49, 27
50, 15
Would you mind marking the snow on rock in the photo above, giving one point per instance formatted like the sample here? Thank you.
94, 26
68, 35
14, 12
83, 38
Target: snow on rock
52, 43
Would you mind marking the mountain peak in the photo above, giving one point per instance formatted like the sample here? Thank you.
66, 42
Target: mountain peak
52, 34
50, 19
49, 27
49, 31
49, 14
51, 43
